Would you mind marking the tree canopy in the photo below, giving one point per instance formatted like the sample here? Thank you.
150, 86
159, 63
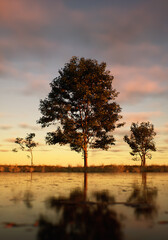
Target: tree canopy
141, 141
82, 104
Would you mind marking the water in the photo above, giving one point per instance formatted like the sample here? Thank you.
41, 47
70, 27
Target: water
50, 206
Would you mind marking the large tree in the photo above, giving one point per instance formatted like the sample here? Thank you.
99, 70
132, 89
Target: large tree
141, 141
82, 103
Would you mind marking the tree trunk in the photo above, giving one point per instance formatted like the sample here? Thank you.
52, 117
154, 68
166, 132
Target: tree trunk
31, 158
143, 160
85, 154
141, 156
85, 157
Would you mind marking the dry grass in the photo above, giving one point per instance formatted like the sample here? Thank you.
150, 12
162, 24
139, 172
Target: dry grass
91, 169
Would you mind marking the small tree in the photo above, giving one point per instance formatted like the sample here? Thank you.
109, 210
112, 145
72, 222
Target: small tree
26, 144
82, 103
141, 141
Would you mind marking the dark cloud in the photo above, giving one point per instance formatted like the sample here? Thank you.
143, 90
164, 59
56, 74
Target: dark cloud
109, 30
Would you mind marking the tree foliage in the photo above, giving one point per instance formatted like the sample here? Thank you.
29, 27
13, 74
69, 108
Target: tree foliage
26, 144
82, 104
141, 141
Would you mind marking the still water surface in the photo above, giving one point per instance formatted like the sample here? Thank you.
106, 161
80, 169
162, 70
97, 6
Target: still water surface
46, 206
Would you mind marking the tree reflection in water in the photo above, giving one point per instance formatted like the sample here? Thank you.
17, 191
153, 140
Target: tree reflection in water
143, 199
28, 198
81, 219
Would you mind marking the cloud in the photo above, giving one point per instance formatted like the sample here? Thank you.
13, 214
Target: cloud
10, 140
136, 83
24, 27
162, 130
18, 12
106, 30
2, 115
162, 149
29, 82
141, 116
4, 150
7, 70
120, 132
5, 127
36, 84
28, 126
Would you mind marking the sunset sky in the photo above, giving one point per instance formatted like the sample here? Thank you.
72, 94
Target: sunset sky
37, 37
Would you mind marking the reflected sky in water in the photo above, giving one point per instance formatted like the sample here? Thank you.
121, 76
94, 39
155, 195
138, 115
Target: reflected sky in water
136, 204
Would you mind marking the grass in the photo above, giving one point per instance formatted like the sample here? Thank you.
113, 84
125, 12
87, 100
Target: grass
90, 169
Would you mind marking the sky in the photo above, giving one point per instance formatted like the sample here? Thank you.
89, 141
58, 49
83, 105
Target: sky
37, 37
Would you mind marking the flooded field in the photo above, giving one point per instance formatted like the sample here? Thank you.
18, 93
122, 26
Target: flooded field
46, 206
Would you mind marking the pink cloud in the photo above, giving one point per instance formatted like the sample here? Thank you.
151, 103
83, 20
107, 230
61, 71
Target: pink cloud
141, 85
21, 11
141, 116
135, 83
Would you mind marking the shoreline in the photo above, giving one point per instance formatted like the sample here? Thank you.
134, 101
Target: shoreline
90, 169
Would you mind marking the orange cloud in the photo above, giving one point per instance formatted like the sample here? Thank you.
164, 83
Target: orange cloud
4, 150
10, 140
